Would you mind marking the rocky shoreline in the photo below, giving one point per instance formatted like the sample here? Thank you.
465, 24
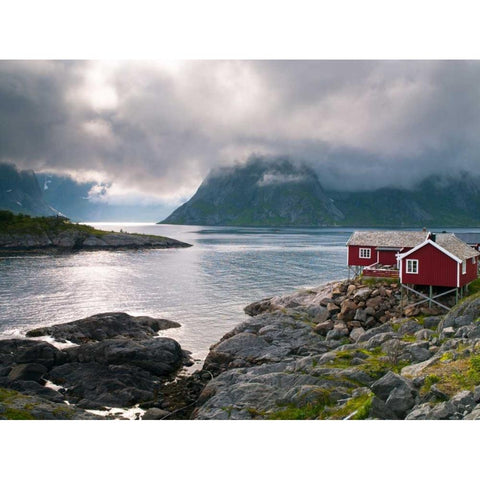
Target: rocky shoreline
344, 350
22, 233
107, 360
78, 240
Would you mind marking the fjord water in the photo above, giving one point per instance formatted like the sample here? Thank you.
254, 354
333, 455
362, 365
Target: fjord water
204, 287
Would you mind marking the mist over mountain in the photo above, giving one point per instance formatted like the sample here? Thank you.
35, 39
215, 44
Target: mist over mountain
20, 192
284, 193
260, 192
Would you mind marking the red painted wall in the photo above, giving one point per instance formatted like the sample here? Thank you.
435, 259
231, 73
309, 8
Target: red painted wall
471, 272
354, 256
434, 268
387, 257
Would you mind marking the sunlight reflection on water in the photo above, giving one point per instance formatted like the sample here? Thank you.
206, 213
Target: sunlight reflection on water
204, 287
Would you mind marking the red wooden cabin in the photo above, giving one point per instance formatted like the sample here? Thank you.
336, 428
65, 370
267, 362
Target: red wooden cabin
417, 259
442, 260
379, 249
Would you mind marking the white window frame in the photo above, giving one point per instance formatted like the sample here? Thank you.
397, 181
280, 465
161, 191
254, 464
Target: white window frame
473, 260
409, 265
365, 253
464, 267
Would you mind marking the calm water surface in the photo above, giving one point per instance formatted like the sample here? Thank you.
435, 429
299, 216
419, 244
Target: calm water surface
204, 287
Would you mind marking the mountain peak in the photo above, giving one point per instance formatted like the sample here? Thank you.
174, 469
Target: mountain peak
262, 191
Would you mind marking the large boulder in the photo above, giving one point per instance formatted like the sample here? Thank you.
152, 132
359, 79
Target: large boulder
94, 385
15, 351
103, 326
159, 356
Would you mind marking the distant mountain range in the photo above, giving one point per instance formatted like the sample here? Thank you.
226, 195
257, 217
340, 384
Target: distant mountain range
258, 193
20, 192
23, 191
266, 193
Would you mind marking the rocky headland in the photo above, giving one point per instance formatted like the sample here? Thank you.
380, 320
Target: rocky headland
346, 350
20, 233
106, 361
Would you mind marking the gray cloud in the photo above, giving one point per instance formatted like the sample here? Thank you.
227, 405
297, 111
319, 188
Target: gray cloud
157, 128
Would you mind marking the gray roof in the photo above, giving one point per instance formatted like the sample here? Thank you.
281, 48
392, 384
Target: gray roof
455, 246
382, 238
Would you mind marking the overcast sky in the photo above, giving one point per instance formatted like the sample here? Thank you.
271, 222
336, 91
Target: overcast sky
157, 128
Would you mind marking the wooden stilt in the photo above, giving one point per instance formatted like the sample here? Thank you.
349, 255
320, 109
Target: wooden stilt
430, 295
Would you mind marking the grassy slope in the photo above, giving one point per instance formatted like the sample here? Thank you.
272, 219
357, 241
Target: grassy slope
24, 224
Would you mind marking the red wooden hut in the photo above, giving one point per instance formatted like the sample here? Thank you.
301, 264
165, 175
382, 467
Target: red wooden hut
417, 259
375, 253
441, 260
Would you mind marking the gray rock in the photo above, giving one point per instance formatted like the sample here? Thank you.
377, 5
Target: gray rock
447, 333
14, 351
93, 385
160, 356
431, 322
442, 411
337, 333
385, 385
104, 326
409, 327
386, 328
474, 414
360, 315
476, 394
463, 401
419, 352
356, 333
155, 414
424, 334
420, 412
379, 410
362, 294
378, 339
401, 400
28, 371
474, 332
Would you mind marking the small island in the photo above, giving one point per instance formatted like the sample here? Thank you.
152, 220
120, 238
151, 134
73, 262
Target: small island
20, 233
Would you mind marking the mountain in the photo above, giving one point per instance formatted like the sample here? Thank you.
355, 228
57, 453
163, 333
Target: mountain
282, 193
20, 192
261, 192
435, 202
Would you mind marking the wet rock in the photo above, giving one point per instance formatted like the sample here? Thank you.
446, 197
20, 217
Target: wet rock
28, 371
28, 351
159, 356
155, 414
105, 326
256, 308
93, 385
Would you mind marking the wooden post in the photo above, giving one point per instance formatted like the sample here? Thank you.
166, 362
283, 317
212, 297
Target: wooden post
456, 296
430, 295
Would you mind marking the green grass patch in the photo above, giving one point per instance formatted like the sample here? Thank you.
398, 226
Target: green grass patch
309, 411
474, 287
358, 406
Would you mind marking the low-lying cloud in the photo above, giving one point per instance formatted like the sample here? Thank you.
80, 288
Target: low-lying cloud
157, 128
